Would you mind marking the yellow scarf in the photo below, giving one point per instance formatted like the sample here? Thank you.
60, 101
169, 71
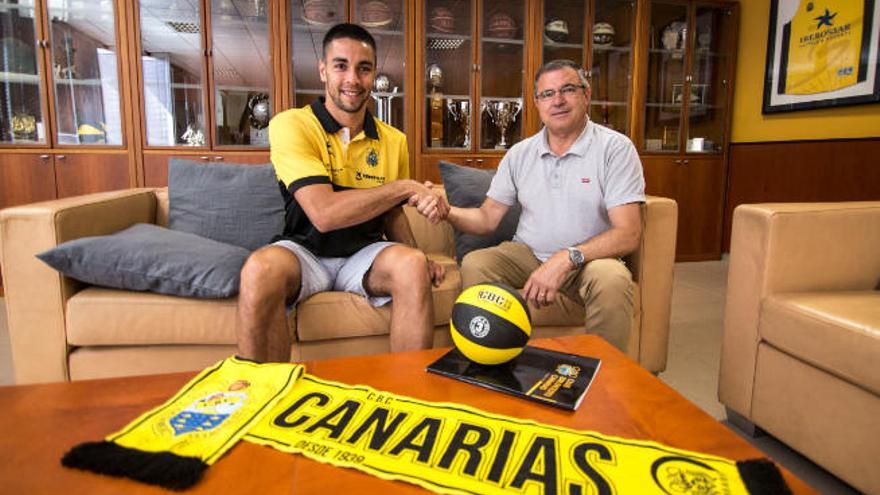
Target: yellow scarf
444, 447
173, 444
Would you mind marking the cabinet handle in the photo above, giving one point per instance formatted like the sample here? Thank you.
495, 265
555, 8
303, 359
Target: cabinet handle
203, 158
678, 162
685, 161
479, 161
60, 157
44, 157
43, 43
689, 78
218, 158
468, 161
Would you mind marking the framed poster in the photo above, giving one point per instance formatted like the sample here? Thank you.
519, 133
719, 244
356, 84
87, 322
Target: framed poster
821, 53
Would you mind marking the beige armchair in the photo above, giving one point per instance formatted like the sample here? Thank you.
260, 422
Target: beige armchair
800, 354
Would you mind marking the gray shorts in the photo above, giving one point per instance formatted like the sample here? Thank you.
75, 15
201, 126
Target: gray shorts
338, 274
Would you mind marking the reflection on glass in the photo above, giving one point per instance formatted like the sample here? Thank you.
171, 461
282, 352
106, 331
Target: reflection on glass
172, 62
666, 77
83, 41
386, 20
447, 74
563, 36
707, 110
611, 72
502, 52
21, 117
242, 71
310, 20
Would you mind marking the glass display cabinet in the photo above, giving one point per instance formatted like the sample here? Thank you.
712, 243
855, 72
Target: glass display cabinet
690, 50
61, 107
83, 74
185, 61
207, 78
684, 139
386, 20
472, 75
613, 34
22, 103
598, 35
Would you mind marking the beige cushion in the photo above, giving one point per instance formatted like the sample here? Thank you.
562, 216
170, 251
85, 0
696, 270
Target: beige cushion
838, 332
88, 363
99, 316
336, 315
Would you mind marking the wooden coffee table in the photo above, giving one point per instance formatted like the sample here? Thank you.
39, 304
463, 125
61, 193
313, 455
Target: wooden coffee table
40, 422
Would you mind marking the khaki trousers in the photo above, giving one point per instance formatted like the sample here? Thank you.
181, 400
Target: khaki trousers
604, 286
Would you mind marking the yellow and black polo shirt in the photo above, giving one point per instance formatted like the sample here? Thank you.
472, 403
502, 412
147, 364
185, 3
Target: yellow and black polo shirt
307, 148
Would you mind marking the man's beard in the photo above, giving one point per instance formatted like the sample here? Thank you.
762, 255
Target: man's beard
346, 107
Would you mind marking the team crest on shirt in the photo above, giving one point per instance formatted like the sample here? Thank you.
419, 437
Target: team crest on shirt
372, 158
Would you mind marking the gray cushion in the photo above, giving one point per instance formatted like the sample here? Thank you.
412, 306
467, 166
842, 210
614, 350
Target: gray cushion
147, 257
466, 188
235, 204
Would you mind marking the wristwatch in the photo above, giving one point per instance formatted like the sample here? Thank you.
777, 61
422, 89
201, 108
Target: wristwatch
576, 257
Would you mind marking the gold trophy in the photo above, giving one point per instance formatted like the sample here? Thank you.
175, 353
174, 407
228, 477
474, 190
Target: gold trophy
435, 116
461, 112
503, 113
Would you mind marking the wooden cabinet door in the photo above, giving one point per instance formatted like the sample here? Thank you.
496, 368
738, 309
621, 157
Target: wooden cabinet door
156, 165
700, 207
430, 170
84, 173
697, 184
26, 178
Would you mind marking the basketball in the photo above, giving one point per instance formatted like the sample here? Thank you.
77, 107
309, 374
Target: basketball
490, 323
502, 25
442, 20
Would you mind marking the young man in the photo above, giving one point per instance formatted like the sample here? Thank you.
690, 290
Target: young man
346, 175
580, 186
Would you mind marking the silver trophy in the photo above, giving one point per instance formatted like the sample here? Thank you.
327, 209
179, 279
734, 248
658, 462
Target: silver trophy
503, 113
383, 97
461, 112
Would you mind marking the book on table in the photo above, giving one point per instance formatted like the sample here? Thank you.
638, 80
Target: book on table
549, 377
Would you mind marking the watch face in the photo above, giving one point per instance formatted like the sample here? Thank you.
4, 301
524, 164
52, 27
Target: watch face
576, 256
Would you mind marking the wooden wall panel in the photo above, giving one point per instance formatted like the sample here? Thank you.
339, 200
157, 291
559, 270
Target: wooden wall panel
833, 170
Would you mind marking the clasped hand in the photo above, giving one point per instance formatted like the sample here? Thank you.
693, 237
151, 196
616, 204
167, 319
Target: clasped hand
430, 203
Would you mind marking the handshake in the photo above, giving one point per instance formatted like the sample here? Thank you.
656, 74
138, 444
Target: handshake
430, 202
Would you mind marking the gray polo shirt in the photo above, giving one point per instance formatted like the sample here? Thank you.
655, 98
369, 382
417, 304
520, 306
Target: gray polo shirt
565, 199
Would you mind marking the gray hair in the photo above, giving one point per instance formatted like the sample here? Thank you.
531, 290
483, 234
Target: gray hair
560, 64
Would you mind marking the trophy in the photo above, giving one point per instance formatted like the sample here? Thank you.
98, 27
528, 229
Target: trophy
258, 112
461, 113
383, 97
435, 114
503, 113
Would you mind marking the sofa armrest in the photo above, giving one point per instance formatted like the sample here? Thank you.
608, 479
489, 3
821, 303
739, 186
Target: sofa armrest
36, 295
652, 265
789, 247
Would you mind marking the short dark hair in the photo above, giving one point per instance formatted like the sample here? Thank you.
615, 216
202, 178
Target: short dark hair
350, 31
559, 64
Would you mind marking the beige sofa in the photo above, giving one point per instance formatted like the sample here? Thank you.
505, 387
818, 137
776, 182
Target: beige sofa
61, 329
800, 356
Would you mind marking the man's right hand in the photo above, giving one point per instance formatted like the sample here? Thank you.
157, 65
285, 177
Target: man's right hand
430, 203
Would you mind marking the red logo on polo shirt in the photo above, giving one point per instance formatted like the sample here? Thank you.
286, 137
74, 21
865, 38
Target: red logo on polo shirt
585, 180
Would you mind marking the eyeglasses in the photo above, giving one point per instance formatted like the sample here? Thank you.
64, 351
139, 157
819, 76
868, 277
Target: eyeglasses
566, 91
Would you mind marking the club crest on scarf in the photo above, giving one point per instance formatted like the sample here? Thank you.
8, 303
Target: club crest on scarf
210, 411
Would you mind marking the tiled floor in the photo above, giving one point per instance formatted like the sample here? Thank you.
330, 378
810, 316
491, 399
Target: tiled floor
692, 368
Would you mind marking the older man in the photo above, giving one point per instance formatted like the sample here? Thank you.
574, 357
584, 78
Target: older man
345, 175
580, 185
